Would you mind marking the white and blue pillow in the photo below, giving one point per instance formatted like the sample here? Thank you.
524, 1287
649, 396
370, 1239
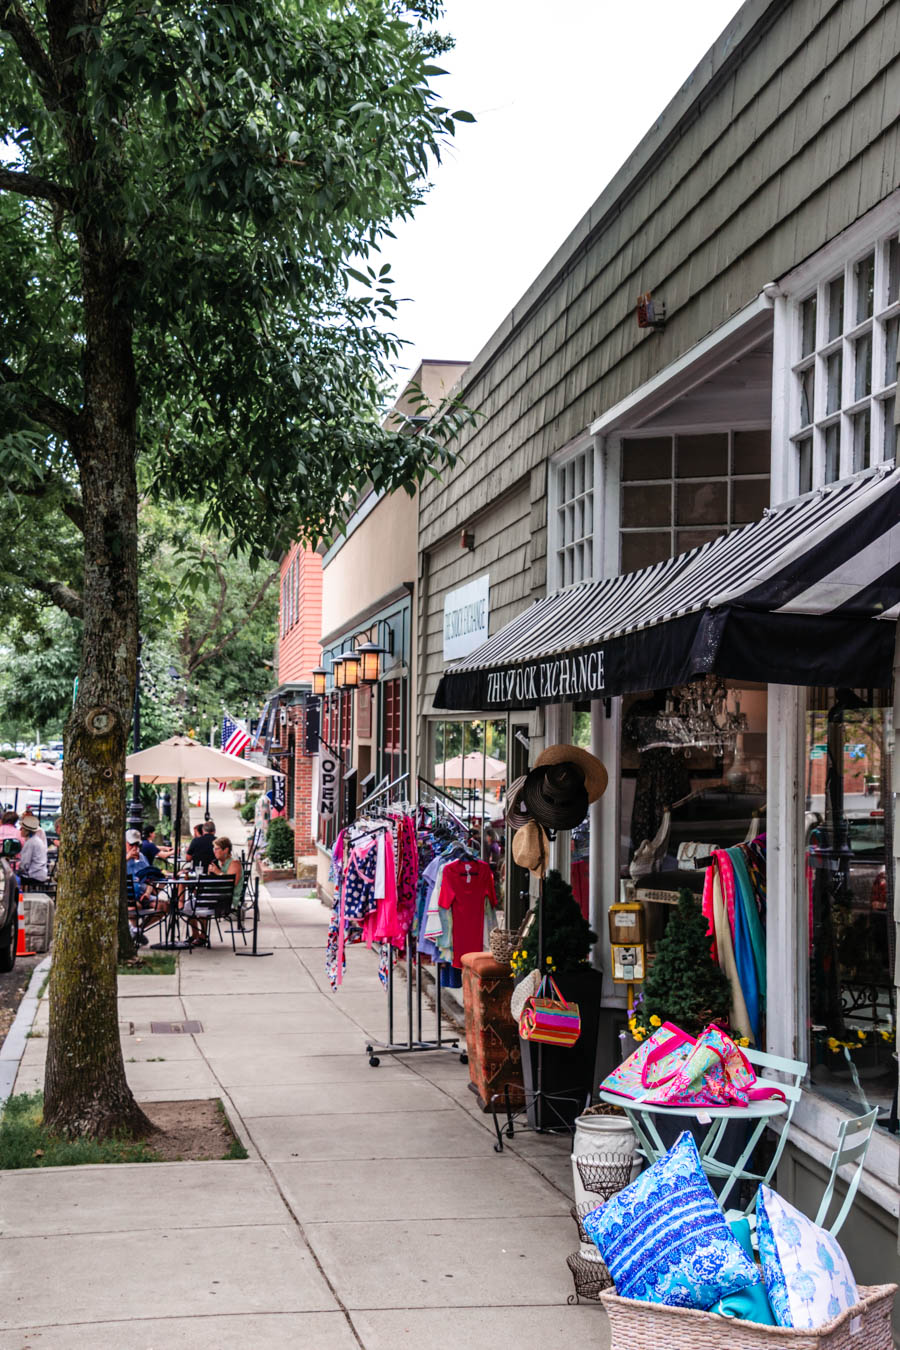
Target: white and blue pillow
808, 1277
664, 1239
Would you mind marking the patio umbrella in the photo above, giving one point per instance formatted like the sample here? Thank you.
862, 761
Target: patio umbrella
182, 759
461, 769
20, 775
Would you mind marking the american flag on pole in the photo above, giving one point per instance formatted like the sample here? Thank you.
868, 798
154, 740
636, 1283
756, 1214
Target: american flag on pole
234, 739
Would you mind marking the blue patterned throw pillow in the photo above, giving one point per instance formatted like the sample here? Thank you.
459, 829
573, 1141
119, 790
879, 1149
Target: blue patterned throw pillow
664, 1239
808, 1277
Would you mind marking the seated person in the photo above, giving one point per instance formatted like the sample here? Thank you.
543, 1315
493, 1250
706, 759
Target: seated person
33, 858
223, 866
200, 849
9, 827
151, 849
146, 895
227, 866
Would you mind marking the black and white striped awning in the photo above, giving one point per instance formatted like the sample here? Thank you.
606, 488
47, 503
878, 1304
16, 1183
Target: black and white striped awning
799, 597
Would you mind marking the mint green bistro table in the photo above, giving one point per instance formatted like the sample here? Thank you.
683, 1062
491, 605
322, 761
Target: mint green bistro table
641, 1117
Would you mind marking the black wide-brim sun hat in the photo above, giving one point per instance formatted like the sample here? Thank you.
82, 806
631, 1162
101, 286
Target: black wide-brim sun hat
564, 782
556, 796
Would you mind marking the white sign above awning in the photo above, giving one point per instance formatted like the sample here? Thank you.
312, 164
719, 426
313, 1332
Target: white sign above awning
466, 617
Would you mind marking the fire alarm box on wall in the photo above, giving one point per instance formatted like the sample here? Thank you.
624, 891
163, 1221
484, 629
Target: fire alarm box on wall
626, 940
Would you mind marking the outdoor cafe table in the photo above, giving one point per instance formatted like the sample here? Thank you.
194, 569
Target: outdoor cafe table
641, 1118
171, 886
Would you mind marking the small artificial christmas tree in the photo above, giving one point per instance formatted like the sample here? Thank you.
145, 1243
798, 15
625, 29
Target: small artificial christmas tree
567, 935
685, 985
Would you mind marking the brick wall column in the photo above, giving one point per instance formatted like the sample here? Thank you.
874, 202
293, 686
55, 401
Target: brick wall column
304, 787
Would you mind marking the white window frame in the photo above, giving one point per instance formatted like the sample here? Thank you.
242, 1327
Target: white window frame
563, 554
839, 258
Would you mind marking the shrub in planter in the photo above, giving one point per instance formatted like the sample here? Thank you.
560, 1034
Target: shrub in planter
685, 985
248, 810
279, 842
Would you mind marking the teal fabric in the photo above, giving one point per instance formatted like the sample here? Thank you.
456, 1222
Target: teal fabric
750, 1304
744, 889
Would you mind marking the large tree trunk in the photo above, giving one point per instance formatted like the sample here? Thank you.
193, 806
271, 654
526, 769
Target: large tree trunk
85, 1090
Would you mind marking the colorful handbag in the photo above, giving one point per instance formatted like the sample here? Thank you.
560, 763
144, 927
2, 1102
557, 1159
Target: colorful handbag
551, 1020
715, 1073
655, 1061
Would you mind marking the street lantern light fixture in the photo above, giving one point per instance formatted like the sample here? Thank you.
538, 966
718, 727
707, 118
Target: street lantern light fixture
337, 671
319, 676
370, 654
352, 662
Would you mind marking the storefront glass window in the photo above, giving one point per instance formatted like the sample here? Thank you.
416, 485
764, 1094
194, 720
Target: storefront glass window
693, 780
468, 766
852, 996
581, 836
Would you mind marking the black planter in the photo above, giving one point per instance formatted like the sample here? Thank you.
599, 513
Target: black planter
566, 1075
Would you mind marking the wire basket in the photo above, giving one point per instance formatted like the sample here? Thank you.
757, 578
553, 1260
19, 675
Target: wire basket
578, 1212
604, 1173
589, 1275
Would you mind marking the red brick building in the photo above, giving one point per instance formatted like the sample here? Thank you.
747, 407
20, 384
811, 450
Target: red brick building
299, 628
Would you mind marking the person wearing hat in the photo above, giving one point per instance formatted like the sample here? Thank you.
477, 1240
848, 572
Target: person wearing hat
33, 858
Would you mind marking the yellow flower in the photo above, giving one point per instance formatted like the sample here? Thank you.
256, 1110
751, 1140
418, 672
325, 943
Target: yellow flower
833, 1043
655, 1021
631, 1024
861, 1034
743, 1041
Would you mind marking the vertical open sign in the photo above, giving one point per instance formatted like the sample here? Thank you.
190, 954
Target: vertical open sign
328, 782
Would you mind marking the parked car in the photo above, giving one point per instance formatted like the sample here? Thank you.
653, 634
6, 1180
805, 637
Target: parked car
9, 916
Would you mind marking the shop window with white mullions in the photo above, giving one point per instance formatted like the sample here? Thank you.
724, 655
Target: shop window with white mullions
571, 517
844, 369
852, 996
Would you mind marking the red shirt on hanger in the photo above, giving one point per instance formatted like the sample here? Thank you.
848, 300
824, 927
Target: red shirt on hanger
465, 887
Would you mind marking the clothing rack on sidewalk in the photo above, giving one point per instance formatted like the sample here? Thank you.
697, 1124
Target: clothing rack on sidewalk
416, 1042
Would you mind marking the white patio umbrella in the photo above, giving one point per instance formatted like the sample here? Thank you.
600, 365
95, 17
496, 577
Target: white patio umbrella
182, 759
20, 776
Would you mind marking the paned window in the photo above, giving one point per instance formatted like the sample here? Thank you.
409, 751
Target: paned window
852, 998
572, 517
844, 365
392, 719
681, 491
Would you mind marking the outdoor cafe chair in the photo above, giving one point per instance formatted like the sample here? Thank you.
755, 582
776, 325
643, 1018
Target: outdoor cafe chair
213, 903
854, 1136
793, 1072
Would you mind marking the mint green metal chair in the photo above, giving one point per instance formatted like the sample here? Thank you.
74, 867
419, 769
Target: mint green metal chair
794, 1071
853, 1142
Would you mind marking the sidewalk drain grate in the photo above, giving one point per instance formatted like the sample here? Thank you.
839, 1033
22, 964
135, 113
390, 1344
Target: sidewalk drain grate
175, 1028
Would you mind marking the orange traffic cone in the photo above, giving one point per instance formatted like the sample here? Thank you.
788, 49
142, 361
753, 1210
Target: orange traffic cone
20, 944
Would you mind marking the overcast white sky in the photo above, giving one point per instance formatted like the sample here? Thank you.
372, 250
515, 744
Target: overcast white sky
563, 90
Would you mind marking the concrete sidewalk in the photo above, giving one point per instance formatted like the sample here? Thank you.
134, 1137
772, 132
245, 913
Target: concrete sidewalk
373, 1210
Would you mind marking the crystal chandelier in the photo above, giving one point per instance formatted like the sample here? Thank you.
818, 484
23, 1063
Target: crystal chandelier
697, 717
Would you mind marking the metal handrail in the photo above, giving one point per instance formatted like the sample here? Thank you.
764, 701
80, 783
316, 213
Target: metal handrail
438, 793
380, 791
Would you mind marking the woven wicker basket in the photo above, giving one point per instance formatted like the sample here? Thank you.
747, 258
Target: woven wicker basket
504, 941
649, 1326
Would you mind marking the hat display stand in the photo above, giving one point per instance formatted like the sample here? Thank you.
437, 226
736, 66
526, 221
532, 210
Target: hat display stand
541, 1108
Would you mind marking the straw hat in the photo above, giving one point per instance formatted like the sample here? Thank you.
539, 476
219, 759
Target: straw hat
595, 775
524, 990
516, 811
531, 848
30, 824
